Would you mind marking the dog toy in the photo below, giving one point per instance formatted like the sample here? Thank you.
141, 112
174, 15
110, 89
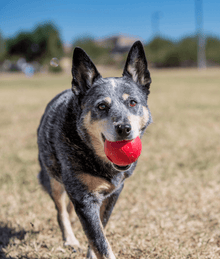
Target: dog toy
123, 152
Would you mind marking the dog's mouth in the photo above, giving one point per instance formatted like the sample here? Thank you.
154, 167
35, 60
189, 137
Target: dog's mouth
121, 168
103, 138
117, 167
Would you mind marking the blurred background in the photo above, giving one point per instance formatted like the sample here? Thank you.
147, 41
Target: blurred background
39, 36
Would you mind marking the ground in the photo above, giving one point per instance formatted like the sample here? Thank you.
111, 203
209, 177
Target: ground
170, 207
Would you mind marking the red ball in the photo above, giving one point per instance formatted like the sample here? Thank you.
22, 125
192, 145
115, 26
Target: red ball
123, 152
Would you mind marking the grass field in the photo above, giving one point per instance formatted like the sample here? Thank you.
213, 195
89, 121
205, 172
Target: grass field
170, 207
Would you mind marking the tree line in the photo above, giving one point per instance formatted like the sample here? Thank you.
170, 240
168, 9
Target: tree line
183, 53
44, 43
39, 45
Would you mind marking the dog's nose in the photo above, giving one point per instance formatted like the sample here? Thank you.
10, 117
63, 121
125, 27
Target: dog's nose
123, 130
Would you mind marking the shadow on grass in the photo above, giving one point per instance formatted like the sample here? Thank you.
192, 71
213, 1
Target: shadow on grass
6, 233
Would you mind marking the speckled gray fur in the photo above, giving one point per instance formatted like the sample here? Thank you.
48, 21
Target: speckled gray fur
67, 155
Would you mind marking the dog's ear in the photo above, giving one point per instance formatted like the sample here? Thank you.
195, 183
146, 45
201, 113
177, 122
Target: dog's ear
136, 65
84, 72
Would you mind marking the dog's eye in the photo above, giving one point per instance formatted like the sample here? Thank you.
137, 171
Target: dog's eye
133, 103
102, 106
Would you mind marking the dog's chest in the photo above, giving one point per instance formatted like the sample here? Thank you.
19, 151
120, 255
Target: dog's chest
98, 185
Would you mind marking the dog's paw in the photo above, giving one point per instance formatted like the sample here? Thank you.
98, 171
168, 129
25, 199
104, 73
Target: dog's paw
90, 254
74, 245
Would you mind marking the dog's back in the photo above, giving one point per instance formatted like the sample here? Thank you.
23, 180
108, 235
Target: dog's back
49, 126
48, 132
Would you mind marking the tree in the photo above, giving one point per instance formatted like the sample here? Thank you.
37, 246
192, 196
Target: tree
97, 53
2, 48
41, 44
162, 53
187, 50
213, 50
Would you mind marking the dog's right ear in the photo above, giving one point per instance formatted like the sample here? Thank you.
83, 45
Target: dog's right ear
84, 72
136, 65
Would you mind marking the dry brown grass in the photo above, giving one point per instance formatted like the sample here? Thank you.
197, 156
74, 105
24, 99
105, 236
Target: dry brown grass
170, 207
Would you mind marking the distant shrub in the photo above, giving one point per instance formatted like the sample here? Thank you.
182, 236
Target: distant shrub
97, 52
187, 51
166, 53
213, 50
40, 45
2, 48
162, 53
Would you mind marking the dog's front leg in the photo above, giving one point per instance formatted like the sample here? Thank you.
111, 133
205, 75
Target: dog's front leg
88, 212
105, 213
108, 206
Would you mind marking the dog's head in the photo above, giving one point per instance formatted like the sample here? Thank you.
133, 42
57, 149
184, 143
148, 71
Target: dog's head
111, 108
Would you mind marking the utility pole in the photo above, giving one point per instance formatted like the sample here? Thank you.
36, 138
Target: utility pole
201, 57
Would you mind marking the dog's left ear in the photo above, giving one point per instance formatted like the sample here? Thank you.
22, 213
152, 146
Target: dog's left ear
136, 65
84, 72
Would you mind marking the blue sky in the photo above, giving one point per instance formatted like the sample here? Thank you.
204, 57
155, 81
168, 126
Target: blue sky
104, 18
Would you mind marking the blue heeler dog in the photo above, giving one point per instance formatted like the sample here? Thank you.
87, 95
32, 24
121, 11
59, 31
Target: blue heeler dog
71, 139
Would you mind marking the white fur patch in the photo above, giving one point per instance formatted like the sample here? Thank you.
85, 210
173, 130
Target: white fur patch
133, 73
113, 83
69, 237
125, 96
108, 100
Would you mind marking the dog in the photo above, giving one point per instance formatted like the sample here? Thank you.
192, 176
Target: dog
71, 137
